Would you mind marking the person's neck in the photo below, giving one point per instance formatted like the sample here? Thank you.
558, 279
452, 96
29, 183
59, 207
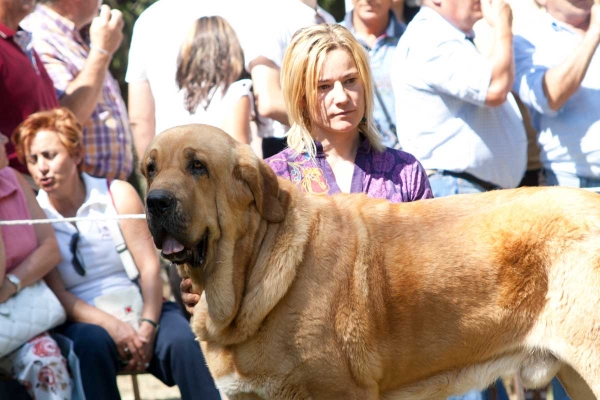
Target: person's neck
311, 3
10, 20
370, 30
465, 26
339, 147
69, 199
65, 10
579, 25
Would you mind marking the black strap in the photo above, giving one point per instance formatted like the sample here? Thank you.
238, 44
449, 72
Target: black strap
470, 178
391, 125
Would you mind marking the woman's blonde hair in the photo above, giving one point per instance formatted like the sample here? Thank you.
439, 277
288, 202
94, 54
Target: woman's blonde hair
300, 71
210, 58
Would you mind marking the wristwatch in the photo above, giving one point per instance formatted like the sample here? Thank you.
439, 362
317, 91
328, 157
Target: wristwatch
15, 281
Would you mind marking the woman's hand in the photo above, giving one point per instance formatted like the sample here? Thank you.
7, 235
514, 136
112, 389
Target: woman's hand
147, 335
189, 298
129, 345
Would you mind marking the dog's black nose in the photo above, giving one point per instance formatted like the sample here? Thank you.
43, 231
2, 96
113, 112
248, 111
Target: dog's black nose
159, 201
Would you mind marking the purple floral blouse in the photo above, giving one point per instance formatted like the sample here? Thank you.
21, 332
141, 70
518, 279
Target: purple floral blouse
393, 174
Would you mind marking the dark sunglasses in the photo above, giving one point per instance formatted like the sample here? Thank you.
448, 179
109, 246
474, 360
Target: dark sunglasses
77, 265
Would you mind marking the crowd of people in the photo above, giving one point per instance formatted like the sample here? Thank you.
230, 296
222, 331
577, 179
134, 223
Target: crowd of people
395, 101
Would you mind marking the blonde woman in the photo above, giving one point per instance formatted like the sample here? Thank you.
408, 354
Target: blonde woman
334, 146
215, 88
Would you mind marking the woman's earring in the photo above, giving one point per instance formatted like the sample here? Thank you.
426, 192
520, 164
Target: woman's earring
363, 120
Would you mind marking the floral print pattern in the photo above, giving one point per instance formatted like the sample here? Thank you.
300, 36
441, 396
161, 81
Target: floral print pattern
392, 174
39, 366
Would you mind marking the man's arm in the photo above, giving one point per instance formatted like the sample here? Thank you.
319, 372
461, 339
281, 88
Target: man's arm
498, 14
563, 80
141, 115
267, 89
82, 93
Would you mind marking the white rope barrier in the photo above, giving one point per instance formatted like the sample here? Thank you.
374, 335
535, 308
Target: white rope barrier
72, 219
118, 217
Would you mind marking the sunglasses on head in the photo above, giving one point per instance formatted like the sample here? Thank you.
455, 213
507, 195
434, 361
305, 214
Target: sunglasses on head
77, 265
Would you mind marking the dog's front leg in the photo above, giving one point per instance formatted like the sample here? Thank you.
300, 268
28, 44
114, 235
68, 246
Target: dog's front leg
574, 384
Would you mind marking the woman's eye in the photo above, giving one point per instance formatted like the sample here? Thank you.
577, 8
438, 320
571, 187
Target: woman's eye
351, 81
47, 155
323, 87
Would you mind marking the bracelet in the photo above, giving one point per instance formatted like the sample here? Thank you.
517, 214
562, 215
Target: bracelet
154, 324
100, 50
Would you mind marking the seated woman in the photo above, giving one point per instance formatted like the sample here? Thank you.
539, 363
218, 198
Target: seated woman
27, 254
50, 143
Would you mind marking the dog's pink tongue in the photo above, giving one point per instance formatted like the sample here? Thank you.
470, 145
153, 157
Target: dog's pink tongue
170, 245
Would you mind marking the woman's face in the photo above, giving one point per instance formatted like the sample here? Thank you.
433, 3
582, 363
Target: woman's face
49, 162
3, 156
340, 96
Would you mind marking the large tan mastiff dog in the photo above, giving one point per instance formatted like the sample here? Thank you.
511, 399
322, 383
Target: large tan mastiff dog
347, 297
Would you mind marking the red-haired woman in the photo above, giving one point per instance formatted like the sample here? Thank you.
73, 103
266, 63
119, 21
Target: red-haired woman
50, 144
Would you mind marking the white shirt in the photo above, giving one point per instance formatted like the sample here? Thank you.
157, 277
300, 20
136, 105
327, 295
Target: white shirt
95, 249
440, 82
570, 137
161, 29
219, 108
157, 37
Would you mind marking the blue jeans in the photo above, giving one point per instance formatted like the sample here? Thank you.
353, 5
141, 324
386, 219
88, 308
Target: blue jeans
444, 185
485, 395
177, 358
571, 180
558, 391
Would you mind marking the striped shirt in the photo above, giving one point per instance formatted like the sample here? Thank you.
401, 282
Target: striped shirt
107, 138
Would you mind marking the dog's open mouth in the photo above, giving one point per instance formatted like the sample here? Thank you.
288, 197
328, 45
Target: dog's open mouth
177, 253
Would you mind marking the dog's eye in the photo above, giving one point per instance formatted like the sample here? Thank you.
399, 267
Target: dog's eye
150, 169
198, 168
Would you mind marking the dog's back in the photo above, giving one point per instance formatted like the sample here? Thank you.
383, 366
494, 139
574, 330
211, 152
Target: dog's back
500, 279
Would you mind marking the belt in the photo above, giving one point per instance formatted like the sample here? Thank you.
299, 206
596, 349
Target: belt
466, 176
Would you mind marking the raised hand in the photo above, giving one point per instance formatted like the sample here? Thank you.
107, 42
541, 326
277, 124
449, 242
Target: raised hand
496, 12
106, 30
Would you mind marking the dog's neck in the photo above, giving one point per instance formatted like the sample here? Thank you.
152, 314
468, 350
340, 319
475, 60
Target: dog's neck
239, 291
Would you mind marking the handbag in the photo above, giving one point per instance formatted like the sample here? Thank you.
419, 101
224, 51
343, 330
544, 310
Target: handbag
34, 310
124, 304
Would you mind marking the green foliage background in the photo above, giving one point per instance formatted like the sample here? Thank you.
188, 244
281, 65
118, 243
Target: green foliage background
131, 11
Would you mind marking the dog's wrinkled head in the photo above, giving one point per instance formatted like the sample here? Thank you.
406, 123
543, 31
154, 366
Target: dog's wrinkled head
200, 182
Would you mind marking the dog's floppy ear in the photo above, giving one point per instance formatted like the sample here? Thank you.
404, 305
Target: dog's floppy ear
262, 182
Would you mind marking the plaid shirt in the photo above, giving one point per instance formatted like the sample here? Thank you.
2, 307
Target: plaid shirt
107, 137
